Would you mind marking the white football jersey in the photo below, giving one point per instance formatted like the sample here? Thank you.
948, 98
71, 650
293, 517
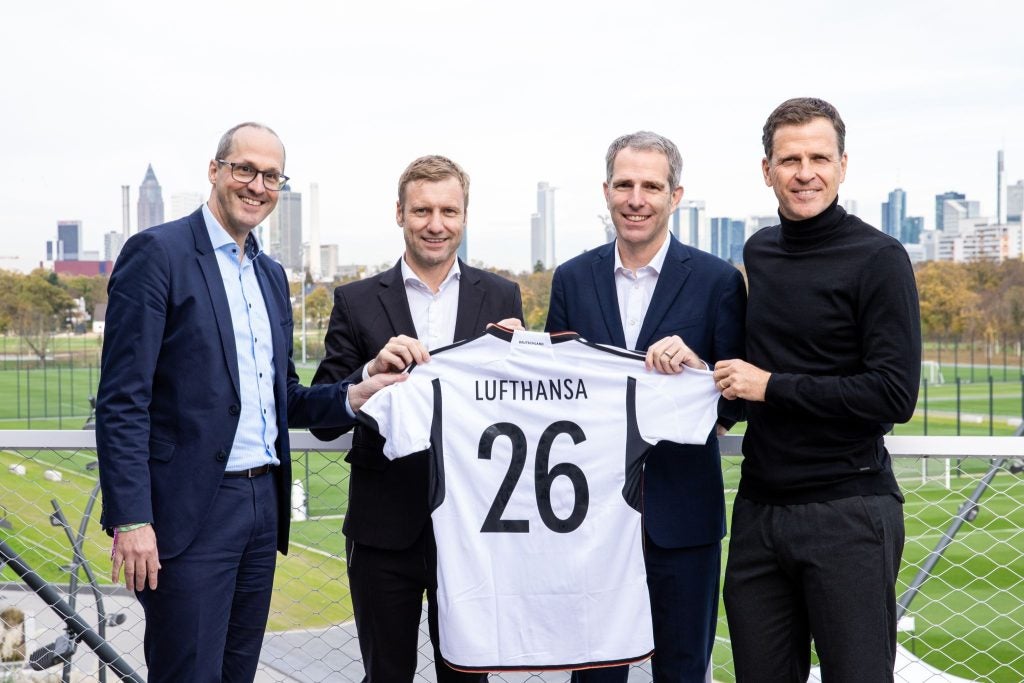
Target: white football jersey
537, 445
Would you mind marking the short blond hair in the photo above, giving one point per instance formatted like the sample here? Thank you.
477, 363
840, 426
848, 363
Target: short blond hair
433, 168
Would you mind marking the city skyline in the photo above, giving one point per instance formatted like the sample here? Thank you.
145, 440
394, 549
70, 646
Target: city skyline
518, 102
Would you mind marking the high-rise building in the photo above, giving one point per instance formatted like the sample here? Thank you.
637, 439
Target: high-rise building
1015, 202
69, 241
537, 243
894, 212
285, 242
112, 243
316, 270
910, 231
1000, 189
689, 224
184, 203
850, 205
151, 201
956, 211
463, 251
727, 235
940, 203
542, 228
126, 221
329, 260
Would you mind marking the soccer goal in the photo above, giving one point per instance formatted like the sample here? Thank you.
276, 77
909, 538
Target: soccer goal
932, 371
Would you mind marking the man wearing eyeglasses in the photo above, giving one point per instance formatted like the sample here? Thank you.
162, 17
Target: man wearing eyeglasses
196, 396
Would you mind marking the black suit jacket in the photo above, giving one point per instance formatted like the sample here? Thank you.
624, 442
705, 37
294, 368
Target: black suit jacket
387, 505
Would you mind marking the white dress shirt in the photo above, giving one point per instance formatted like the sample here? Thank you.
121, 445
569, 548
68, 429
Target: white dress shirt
433, 314
634, 290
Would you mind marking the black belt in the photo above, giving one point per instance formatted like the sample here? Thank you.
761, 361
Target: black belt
251, 472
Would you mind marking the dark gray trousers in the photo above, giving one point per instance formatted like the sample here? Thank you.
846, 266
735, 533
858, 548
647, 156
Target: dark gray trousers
825, 571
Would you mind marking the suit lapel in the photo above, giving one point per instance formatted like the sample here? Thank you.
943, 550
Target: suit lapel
603, 271
471, 301
395, 303
218, 297
671, 280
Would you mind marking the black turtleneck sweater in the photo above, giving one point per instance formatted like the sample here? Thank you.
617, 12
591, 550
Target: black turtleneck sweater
833, 316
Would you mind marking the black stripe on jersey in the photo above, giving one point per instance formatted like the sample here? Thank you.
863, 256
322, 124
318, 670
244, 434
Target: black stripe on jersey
552, 667
636, 448
436, 492
614, 350
506, 334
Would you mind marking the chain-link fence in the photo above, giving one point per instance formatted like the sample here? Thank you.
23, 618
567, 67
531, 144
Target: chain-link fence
961, 586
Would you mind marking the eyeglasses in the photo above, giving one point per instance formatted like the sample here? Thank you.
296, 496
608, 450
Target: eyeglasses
244, 173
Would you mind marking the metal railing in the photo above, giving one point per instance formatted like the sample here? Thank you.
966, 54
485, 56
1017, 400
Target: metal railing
961, 586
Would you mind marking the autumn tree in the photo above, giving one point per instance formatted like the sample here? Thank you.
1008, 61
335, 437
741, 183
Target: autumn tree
947, 300
318, 306
34, 307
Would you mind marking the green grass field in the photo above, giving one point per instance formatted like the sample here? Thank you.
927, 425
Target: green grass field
969, 614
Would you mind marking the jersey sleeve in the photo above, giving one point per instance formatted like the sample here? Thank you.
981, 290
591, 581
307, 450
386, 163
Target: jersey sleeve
681, 408
402, 414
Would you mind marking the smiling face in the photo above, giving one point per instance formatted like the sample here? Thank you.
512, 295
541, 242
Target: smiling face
805, 168
640, 199
432, 219
240, 207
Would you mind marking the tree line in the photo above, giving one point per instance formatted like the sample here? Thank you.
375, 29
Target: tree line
980, 302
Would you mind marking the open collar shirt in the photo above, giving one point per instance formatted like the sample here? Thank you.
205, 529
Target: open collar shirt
255, 438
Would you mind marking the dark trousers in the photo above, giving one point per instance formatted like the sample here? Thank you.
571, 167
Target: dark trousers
683, 584
387, 598
822, 570
206, 618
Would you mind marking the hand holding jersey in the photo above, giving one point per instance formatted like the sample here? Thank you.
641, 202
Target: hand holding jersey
535, 491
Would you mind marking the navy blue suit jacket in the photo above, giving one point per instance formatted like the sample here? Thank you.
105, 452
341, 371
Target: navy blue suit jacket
702, 299
169, 402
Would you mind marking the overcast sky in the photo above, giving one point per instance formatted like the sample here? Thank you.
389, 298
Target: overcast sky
517, 92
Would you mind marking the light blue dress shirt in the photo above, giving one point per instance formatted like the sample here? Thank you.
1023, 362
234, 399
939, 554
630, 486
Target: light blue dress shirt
257, 423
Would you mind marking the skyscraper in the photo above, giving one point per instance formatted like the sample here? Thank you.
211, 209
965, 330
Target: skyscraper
537, 242
894, 213
315, 266
69, 241
112, 243
542, 228
910, 232
1000, 189
285, 242
126, 221
463, 251
727, 236
689, 224
940, 203
1015, 202
151, 201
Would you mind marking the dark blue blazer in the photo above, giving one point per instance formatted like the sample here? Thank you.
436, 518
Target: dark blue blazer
702, 299
169, 400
